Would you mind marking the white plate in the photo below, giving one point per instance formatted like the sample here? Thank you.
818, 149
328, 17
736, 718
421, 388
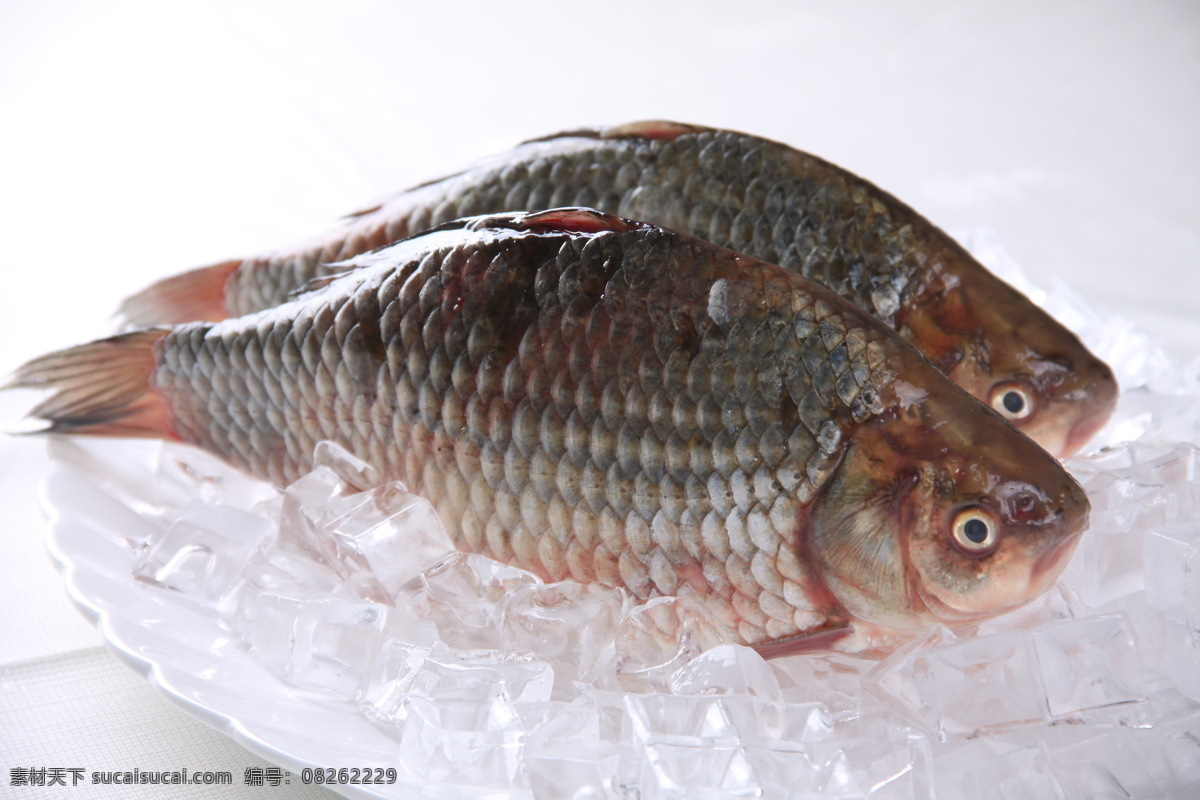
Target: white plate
182, 647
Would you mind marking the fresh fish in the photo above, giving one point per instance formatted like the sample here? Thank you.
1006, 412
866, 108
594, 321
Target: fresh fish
754, 196
597, 399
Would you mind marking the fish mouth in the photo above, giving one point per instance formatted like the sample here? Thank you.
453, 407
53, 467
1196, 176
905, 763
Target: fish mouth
1083, 430
1052, 563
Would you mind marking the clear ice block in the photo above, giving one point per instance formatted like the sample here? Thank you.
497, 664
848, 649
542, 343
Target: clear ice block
569, 624
203, 551
335, 643
474, 738
466, 594
700, 746
991, 768
1088, 663
1173, 574
445, 673
569, 756
968, 687
728, 669
658, 637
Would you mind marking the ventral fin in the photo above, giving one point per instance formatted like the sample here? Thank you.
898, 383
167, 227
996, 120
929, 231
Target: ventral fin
820, 640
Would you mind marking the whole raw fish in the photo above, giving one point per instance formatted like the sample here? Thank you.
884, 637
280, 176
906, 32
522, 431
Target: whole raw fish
754, 196
597, 399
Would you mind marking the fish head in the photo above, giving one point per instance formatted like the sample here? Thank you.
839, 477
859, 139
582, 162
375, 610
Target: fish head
941, 512
1018, 359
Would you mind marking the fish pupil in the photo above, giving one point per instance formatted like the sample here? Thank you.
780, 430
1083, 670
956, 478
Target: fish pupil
1014, 402
976, 530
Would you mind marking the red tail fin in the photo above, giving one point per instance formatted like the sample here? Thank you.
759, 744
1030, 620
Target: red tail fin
197, 295
100, 389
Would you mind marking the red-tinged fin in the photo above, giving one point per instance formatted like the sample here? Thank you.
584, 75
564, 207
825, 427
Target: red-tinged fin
819, 641
103, 388
571, 220
647, 129
197, 295
651, 129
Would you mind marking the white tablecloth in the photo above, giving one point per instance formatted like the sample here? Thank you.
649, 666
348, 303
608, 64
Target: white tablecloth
138, 139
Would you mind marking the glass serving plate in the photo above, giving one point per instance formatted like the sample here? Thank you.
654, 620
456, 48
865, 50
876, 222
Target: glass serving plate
462, 700
181, 646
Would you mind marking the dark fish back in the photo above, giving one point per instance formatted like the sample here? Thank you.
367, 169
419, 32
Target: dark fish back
736, 191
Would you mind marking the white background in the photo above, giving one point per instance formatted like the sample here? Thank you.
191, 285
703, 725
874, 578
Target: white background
138, 139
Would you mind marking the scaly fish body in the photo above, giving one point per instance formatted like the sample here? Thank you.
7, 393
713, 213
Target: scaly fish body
752, 195
601, 400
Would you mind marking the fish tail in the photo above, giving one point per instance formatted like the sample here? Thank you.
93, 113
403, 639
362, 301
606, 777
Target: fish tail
104, 388
197, 295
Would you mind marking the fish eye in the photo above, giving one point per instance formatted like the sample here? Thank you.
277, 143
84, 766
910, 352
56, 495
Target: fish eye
1012, 400
975, 531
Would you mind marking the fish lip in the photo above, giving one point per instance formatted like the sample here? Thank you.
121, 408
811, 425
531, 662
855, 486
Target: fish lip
1052, 562
1083, 430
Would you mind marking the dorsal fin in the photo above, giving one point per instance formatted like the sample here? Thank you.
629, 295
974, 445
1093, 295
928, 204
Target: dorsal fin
646, 129
651, 129
555, 220
575, 220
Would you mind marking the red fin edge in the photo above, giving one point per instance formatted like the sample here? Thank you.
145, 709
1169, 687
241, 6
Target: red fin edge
651, 129
818, 641
646, 129
197, 295
103, 388
561, 220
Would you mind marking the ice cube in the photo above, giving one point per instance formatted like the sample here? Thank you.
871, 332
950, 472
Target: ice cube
270, 630
466, 594
354, 473
302, 501
1057, 604
474, 738
876, 759
1172, 556
1174, 653
968, 687
568, 755
569, 624
836, 680
682, 747
727, 669
991, 768
1088, 663
335, 643
203, 551
658, 637
188, 472
391, 680
444, 673
382, 538
1127, 762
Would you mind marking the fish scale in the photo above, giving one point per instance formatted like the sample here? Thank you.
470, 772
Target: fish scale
636, 408
759, 197
592, 398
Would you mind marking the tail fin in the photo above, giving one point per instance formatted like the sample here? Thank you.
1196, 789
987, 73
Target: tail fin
197, 295
100, 389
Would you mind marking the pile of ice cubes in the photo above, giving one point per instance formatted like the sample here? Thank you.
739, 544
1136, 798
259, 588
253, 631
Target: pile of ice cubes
486, 677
